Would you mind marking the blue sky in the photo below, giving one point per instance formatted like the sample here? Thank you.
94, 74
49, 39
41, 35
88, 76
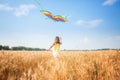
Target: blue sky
92, 24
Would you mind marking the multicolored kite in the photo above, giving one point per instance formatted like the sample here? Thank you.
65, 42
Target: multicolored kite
56, 18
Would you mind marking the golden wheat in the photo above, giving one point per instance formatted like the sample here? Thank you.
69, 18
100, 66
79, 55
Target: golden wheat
71, 65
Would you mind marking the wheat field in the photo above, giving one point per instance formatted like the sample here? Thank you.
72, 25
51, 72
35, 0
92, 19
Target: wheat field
70, 65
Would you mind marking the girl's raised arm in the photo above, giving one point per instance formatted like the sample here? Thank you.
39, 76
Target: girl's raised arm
60, 40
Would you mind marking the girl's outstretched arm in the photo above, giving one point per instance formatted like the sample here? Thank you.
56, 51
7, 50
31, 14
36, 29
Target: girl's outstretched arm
51, 47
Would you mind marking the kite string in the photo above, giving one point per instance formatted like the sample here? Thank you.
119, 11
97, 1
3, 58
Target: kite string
39, 4
55, 18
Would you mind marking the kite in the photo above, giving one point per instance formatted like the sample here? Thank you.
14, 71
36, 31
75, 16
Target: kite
56, 18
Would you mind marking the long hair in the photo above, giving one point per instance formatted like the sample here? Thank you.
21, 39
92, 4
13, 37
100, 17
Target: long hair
57, 39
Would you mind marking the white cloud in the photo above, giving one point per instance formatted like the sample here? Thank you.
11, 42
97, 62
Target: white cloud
22, 10
109, 2
92, 23
81, 22
5, 7
95, 22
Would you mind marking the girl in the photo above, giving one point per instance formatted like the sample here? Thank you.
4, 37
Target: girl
56, 46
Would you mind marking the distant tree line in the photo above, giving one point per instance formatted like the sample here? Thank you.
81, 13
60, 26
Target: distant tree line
20, 48
4, 47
